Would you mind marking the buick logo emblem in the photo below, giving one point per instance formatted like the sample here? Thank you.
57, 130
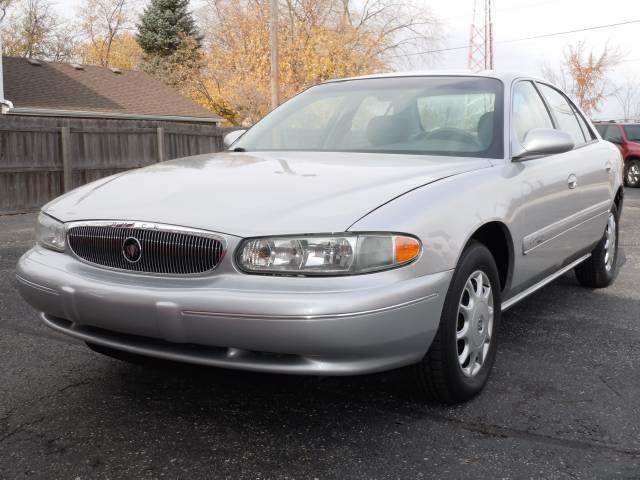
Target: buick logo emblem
131, 250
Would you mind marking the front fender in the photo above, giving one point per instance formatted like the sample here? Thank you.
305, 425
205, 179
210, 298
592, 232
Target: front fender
445, 214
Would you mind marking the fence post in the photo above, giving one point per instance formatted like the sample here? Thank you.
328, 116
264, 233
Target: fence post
67, 178
161, 152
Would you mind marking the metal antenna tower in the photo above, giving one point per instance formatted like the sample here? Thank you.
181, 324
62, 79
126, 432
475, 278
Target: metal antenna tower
481, 37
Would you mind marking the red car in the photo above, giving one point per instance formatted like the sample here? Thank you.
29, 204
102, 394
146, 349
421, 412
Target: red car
627, 137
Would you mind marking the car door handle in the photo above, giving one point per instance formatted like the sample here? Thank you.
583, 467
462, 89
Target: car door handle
608, 167
572, 181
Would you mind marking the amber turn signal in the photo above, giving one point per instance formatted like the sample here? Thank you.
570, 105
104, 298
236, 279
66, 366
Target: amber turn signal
406, 249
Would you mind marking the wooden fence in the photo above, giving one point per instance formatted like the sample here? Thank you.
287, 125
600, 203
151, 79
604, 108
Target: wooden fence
42, 157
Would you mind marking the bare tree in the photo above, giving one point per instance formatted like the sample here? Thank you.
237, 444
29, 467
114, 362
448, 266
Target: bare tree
63, 44
585, 74
4, 5
558, 76
627, 94
102, 21
30, 30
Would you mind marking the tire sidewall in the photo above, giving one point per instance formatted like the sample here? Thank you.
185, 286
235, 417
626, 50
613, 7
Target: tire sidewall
475, 257
610, 275
626, 170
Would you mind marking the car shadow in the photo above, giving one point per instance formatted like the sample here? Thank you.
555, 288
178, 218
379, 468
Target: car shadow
227, 398
186, 387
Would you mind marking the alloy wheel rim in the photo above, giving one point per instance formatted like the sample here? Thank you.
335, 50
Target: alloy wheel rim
474, 326
633, 174
610, 242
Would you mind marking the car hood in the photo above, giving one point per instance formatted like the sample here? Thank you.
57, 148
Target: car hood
261, 193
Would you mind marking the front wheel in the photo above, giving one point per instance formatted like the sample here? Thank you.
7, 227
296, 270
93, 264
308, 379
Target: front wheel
632, 174
458, 363
601, 268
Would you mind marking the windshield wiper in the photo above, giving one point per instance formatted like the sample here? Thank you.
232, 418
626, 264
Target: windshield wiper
239, 149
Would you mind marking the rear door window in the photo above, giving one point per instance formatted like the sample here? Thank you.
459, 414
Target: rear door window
588, 133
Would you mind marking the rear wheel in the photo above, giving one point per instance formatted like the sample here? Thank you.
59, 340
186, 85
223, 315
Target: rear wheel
601, 269
459, 361
632, 174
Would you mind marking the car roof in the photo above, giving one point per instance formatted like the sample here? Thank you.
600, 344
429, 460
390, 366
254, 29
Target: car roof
505, 76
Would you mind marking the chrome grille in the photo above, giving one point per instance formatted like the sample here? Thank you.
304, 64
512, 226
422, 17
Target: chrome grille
163, 251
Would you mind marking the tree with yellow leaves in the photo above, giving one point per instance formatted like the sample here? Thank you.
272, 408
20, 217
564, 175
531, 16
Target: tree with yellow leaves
103, 23
33, 30
318, 40
124, 52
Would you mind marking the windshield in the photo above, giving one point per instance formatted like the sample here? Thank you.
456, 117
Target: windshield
455, 116
632, 132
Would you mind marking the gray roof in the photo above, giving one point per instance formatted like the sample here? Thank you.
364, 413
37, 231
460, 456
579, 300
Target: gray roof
506, 76
94, 91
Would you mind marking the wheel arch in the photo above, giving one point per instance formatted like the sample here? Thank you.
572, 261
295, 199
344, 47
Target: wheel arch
619, 199
495, 235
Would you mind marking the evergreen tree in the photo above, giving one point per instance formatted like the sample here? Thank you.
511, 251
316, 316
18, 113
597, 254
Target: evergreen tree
165, 26
170, 43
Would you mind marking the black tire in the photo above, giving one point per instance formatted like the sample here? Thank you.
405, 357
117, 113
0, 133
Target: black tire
594, 272
439, 373
632, 173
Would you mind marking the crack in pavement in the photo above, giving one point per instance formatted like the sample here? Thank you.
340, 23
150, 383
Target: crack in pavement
21, 427
610, 387
26, 406
498, 431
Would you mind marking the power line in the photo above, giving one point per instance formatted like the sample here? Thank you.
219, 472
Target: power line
534, 37
505, 9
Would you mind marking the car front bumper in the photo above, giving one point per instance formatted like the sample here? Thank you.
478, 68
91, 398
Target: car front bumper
300, 325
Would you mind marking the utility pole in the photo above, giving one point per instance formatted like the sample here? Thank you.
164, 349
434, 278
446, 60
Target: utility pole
273, 39
481, 37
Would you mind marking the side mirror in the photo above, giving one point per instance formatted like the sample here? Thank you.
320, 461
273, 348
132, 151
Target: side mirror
544, 141
231, 137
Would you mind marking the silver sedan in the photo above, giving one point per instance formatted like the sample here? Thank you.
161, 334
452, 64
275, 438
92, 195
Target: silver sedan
364, 225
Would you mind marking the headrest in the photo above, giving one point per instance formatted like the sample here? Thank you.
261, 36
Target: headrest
387, 130
485, 129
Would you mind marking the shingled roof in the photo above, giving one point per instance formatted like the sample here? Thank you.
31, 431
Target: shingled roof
86, 90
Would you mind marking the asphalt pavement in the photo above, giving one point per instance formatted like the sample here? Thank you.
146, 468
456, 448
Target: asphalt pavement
563, 401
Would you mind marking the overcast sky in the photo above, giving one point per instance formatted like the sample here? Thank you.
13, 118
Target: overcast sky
514, 19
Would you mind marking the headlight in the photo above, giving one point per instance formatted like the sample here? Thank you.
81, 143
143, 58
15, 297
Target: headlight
327, 254
50, 233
